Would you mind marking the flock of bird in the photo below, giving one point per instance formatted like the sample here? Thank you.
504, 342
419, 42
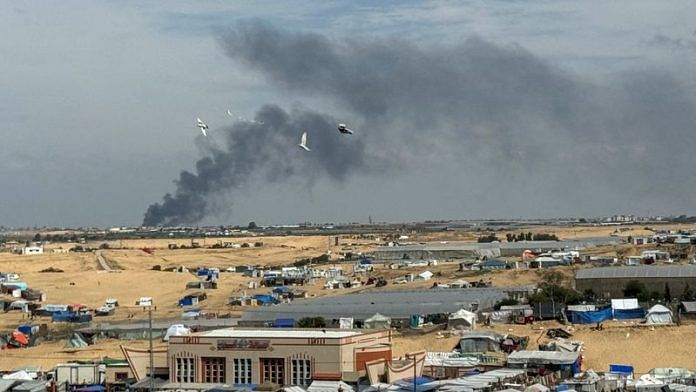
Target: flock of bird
303, 139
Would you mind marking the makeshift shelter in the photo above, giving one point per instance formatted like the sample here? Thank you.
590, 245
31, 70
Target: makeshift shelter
568, 363
658, 314
176, 330
479, 342
589, 317
427, 275
461, 319
378, 321
76, 340
626, 309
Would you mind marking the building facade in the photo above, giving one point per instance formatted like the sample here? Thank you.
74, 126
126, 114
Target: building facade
279, 356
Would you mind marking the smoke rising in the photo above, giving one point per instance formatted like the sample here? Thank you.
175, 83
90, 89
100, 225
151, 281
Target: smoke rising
267, 150
493, 115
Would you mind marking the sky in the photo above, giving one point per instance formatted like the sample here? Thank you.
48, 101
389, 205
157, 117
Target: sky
467, 109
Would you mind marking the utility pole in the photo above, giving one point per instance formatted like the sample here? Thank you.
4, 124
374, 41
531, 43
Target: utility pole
152, 357
414, 372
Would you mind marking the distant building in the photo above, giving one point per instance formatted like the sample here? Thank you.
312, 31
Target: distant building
611, 281
32, 250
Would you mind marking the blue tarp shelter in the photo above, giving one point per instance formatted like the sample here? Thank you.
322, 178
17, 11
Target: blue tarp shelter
589, 317
284, 323
365, 262
265, 299
281, 290
621, 369
628, 314
188, 301
25, 329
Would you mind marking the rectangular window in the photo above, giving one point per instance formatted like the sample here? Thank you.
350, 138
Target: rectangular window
273, 370
242, 371
301, 372
185, 370
213, 370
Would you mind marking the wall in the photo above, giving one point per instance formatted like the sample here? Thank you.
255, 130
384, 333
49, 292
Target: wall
614, 287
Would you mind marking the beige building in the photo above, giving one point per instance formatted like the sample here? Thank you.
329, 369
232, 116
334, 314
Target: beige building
280, 356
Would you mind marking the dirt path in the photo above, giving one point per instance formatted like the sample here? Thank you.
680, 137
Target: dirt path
102, 261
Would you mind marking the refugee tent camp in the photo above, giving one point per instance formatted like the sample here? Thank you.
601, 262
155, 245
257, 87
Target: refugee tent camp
461, 319
658, 314
378, 321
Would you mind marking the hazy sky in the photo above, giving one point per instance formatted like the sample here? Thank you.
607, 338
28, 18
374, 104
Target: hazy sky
462, 109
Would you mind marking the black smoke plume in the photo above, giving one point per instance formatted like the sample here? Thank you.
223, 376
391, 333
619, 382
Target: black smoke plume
251, 149
492, 115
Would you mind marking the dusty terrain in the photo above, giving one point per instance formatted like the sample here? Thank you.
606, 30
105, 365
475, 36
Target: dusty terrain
83, 282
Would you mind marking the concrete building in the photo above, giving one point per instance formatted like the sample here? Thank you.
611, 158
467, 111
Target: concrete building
610, 282
32, 250
280, 356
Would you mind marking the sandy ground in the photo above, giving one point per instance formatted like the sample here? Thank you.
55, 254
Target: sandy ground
83, 282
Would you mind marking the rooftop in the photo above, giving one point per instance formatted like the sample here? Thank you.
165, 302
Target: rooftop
645, 271
394, 304
278, 333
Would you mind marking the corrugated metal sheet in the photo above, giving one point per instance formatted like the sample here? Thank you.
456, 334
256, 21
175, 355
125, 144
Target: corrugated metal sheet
647, 271
394, 304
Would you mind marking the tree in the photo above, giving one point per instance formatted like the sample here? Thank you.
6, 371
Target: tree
638, 290
505, 302
37, 237
311, 322
687, 294
252, 225
668, 293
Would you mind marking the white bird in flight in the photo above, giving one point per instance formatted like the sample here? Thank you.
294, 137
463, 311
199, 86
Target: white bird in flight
202, 126
342, 128
303, 142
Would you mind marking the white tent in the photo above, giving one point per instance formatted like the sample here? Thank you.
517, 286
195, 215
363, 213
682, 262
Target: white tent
427, 275
19, 375
345, 323
658, 314
624, 304
176, 330
378, 321
462, 319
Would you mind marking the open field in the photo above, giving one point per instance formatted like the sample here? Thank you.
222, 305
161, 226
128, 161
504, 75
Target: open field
83, 282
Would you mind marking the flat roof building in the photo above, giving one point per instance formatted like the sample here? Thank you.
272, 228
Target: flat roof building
279, 356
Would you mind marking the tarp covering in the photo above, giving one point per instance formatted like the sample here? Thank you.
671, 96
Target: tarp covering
20, 375
284, 323
462, 319
76, 340
589, 317
345, 323
378, 321
621, 369
658, 314
625, 303
176, 330
628, 314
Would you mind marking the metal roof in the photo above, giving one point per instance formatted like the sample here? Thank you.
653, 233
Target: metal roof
473, 246
645, 271
277, 333
394, 304
539, 357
